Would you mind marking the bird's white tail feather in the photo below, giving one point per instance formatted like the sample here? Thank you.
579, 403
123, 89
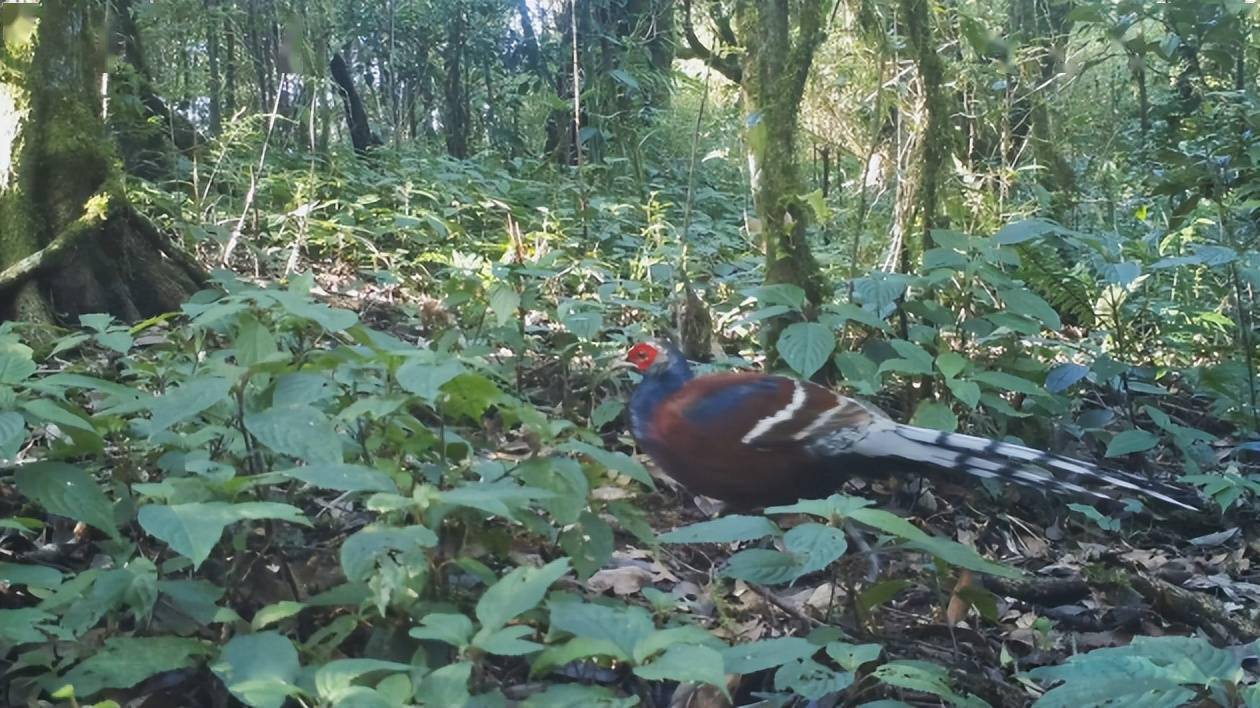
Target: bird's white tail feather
991, 459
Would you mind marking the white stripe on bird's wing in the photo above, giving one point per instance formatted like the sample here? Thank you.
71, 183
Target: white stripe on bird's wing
785, 413
822, 420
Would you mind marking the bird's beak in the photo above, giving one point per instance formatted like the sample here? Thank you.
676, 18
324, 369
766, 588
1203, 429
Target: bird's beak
621, 364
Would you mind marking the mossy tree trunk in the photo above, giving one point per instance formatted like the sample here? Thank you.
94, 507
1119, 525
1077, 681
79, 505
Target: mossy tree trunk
775, 42
779, 46
938, 138
70, 243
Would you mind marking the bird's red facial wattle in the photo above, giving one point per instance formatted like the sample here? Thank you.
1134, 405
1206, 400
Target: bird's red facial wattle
641, 356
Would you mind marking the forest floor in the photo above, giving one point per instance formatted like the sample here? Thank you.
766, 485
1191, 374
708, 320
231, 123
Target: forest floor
1087, 583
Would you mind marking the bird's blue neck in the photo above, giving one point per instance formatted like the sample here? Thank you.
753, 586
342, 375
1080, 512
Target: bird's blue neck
657, 385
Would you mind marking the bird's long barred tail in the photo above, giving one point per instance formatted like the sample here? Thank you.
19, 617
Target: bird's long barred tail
992, 459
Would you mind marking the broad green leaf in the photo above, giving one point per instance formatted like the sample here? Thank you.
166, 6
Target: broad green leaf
254, 343
40, 576
1026, 230
334, 679
606, 412
332, 319
966, 391
917, 676
786, 294
191, 398
914, 360
727, 529
1022, 301
937, 416
663, 639
447, 686
342, 477
615, 461
1008, 382
1104, 522
956, 554
762, 565
508, 641
468, 396
26, 625
501, 498
297, 431
621, 626
275, 612
1063, 376
124, 662
12, 434
562, 477
810, 679
847, 311
426, 380
1131, 441
589, 543
361, 550
193, 530
879, 291
558, 654
46, 410
66, 490
15, 368
302, 388
815, 546
518, 591
806, 346
851, 657
888, 522
504, 302
259, 669
950, 364
766, 654
584, 325
687, 662
453, 628
834, 507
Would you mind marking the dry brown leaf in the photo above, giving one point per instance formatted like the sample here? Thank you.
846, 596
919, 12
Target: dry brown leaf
626, 580
957, 608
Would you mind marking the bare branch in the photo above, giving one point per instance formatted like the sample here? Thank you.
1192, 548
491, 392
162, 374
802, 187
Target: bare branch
722, 64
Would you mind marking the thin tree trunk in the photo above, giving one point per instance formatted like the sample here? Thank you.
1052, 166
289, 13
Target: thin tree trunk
229, 66
455, 118
212, 60
356, 118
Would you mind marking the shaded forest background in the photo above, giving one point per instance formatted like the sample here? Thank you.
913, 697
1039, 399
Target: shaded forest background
304, 383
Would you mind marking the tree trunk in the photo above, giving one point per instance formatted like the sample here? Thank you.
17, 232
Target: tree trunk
773, 75
229, 66
71, 243
455, 117
146, 138
212, 69
938, 137
356, 118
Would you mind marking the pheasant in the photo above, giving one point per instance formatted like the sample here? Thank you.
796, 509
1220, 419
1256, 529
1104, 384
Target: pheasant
754, 440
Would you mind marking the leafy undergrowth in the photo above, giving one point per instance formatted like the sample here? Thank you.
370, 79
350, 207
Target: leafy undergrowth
264, 497
408, 481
